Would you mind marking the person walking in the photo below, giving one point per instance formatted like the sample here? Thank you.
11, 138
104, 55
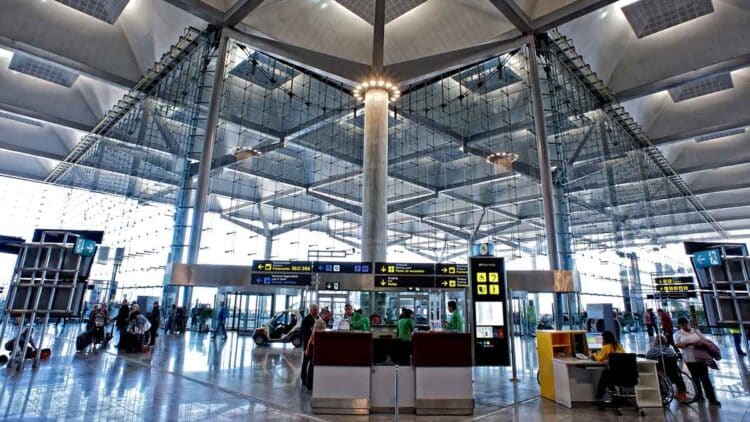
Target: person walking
306, 331
667, 326
155, 319
648, 319
737, 337
689, 339
221, 319
121, 320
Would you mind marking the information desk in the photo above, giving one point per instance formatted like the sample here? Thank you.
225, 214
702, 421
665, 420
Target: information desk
443, 376
341, 384
576, 381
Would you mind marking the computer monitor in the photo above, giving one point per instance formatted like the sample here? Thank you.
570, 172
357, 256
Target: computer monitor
594, 341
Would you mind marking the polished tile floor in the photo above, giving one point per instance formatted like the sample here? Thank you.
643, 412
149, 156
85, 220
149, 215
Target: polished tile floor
190, 377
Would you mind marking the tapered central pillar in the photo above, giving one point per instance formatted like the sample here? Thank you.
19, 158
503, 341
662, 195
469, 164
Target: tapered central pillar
375, 176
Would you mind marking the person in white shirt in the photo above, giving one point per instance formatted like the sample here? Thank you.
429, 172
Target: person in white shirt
345, 322
686, 339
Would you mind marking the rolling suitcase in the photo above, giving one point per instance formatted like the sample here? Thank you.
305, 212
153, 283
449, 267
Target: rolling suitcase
83, 340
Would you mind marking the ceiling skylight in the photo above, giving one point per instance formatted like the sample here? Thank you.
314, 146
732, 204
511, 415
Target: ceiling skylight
105, 10
648, 17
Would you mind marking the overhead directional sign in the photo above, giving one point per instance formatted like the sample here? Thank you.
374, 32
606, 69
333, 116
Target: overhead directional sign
675, 287
282, 279
448, 276
404, 281
404, 275
282, 266
84, 247
708, 258
332, 285
392, 268
343, 267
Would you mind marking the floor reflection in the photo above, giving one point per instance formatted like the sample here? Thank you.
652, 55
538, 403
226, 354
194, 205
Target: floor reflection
192, 377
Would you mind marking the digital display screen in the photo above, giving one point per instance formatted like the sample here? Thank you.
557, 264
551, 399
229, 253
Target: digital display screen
594, 341
489, 314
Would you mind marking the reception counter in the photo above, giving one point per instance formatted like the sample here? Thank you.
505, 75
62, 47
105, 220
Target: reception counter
341, 384
443, 373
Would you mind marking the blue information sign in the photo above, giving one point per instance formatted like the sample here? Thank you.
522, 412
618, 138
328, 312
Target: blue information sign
84, 247
705, 259
343, 267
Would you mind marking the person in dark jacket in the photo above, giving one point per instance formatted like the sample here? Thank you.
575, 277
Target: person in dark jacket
121, 320
306, 332
154, 318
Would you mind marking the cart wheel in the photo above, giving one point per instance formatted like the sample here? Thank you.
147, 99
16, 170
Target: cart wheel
260, 339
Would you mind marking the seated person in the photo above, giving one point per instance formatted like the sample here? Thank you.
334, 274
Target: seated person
609, 345
666, 357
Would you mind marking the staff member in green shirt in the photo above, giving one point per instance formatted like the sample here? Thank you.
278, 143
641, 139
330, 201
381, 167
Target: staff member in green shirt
456, 323
404, 328
359, 321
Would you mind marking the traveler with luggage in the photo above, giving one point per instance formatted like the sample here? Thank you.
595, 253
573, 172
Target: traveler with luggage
138, 326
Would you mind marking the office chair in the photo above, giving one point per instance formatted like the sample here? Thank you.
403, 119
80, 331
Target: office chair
623, 378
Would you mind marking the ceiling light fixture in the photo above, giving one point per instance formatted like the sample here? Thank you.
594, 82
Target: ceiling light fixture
376, 83
505, 159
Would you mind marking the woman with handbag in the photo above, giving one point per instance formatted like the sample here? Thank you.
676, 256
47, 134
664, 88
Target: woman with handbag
695, 354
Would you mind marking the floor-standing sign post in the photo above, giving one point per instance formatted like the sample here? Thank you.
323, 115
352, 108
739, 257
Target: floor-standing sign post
490, 335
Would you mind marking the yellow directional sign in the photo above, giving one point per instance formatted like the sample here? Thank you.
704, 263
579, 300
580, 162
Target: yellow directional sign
494, 278
482, 290
452, 270
494, 289
482, 277
269, 266
452, 283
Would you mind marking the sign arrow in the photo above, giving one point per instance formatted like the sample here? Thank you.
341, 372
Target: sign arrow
382, 282
260, 266
382, 269
444, 270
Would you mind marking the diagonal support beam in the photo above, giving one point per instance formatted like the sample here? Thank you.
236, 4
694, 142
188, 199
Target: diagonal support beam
253, 228
356, 209
294, 226
568, 13
398, 206
411, 71
344, 240
337, 68
240, 10
514, 14
199, 9
450, 230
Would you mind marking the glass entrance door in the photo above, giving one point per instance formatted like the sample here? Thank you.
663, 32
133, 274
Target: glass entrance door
248, 311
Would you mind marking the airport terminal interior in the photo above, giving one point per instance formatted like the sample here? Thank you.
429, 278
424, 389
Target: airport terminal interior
352, 210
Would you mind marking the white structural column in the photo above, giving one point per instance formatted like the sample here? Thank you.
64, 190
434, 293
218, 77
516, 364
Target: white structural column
375, 176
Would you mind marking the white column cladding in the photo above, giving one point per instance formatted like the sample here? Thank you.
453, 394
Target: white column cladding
375, 176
